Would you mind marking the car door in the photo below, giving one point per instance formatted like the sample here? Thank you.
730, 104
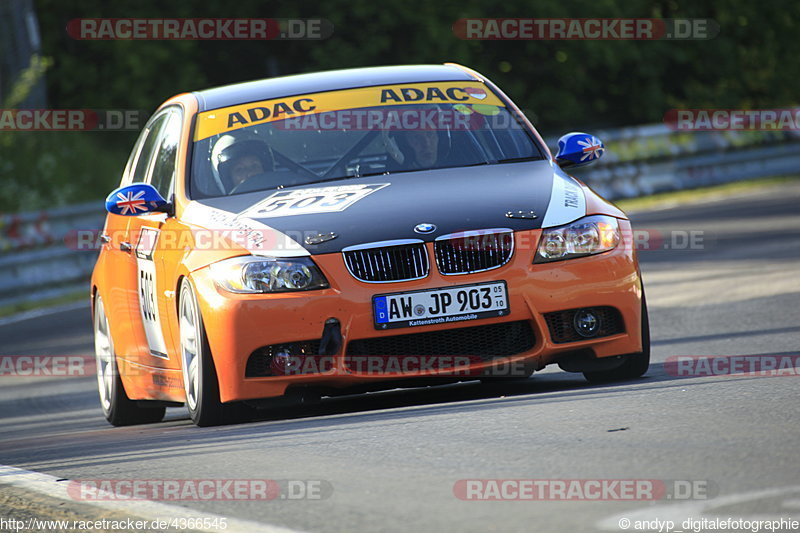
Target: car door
155, 165
120, 286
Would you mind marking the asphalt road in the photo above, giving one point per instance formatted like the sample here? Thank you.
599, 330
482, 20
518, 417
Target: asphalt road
392, 459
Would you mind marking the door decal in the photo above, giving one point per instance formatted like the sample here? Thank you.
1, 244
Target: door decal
148, 300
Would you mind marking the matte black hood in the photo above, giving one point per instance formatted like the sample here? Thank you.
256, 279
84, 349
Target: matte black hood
454, 200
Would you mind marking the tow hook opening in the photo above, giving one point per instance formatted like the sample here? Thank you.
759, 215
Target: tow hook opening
331, 342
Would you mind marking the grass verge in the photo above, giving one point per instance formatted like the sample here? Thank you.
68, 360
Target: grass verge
674, 198
70, 297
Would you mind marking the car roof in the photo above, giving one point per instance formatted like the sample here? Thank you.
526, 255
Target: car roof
331, 80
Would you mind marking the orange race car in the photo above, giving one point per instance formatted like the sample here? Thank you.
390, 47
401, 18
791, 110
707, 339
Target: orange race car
354, 230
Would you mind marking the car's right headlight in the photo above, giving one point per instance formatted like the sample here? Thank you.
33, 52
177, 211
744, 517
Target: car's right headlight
586, 236
251, 274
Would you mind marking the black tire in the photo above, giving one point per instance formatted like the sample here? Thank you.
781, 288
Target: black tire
202, 389
118, 409
635, 365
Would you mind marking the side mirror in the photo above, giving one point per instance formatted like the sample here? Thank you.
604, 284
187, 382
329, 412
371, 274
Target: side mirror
136, 199
577, 149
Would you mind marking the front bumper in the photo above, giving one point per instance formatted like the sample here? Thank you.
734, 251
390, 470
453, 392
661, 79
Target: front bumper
237, 324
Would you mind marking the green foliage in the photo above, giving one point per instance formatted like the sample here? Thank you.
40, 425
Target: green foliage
26, 81
562, 85
46, 169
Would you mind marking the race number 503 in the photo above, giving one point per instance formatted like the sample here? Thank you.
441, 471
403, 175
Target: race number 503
311, 200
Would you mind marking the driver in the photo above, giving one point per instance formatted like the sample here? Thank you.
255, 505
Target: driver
418, 149
237, 160
424, 146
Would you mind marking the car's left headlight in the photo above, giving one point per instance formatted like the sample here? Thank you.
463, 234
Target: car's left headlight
251, 274
586, 236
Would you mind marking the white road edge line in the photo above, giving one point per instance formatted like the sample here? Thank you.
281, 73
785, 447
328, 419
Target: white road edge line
36, 313
146, 510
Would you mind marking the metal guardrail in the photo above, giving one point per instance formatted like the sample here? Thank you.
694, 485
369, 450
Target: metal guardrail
37, 262
644, 160
36, 259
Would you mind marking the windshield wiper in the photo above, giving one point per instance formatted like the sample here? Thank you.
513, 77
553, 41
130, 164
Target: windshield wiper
388, 172
326, 180
347, 177
520, 159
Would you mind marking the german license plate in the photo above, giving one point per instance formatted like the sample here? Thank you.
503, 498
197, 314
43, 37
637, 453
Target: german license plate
440, 306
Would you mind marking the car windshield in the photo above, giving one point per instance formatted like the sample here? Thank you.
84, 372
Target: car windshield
303, 140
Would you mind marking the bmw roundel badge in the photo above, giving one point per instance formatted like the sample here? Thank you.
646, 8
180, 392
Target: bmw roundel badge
425, 228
